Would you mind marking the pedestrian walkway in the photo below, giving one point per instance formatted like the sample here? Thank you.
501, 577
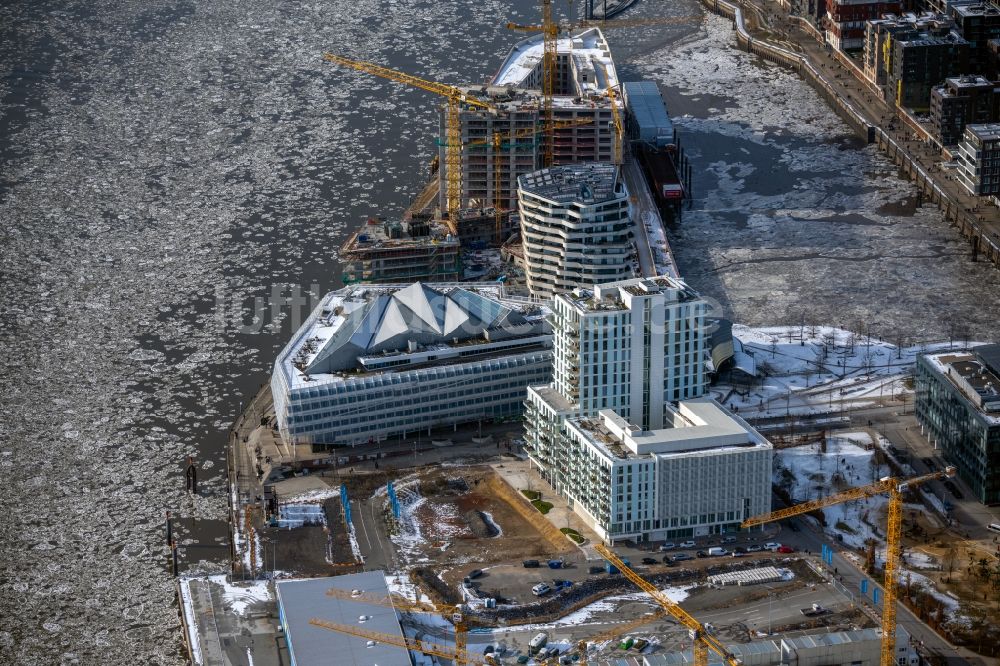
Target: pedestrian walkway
519, 475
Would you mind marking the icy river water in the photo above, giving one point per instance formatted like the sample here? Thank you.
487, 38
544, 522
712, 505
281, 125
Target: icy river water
176, 179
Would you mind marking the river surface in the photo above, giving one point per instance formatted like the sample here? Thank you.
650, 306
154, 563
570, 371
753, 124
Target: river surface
176, 179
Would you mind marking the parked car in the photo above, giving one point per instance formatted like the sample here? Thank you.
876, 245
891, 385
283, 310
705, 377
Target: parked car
475, 573
728, 539
595, 570
740, 550
541, 590
786, 549
531, 564
680, 557
640, 645
668, 560
701, 553
772, 546
686, 544
754, 548
667, 546
649, 560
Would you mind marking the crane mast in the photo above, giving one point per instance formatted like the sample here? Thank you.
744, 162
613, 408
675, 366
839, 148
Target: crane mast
893, 535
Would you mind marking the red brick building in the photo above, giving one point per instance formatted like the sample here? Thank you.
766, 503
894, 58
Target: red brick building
845, 20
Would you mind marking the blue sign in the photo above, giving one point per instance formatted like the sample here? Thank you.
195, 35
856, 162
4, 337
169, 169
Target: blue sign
875, 594
393, 501
345, 503
864, 586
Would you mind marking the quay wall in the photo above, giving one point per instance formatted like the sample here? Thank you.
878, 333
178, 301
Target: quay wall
981, 244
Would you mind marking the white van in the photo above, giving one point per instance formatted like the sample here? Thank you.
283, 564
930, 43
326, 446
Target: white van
716, 550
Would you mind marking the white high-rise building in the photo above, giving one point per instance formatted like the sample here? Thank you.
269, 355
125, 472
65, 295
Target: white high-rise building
574, 227
620, 431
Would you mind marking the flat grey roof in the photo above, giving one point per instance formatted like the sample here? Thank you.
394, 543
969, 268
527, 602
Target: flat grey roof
984, 131
301, 600
644, 101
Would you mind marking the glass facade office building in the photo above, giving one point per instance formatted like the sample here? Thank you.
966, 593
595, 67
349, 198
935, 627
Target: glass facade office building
958, 407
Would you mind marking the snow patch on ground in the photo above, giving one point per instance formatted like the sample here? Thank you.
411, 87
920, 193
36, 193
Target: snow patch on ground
607, 605
190, 621
807, 473
240, 597
492, 523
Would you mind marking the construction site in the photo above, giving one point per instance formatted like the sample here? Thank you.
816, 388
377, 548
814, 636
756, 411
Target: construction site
445, 546
468, 539
556, 99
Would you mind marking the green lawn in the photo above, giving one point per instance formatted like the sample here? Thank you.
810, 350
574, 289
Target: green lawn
542, 506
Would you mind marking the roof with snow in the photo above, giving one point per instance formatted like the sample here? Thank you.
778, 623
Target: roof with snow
302, 600
591, 69
380, 320
376, 328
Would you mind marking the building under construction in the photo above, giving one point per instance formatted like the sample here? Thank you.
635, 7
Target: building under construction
505, 141
393, 252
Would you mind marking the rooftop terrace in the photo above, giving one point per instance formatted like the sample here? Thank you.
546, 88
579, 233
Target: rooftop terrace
588, 183
695, 426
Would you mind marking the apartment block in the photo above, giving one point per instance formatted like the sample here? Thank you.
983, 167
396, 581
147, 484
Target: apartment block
845, 20
575, 227
920, 64
961, 101
979, 24
704, 472
877, 57
979, 159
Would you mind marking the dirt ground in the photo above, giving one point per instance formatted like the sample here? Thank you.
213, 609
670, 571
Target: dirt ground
455, 510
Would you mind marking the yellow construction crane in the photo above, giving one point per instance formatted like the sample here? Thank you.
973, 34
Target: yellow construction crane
893, 535
453, 613
499, 205
550, 41
453, 129
551, 30
617, 116
415, 644
703, 641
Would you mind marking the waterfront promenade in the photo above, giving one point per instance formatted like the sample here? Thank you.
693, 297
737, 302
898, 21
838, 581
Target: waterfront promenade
770, 31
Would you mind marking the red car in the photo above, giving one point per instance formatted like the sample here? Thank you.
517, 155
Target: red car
786, 549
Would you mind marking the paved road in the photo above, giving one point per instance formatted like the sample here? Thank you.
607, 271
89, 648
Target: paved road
376, 549
851, 577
